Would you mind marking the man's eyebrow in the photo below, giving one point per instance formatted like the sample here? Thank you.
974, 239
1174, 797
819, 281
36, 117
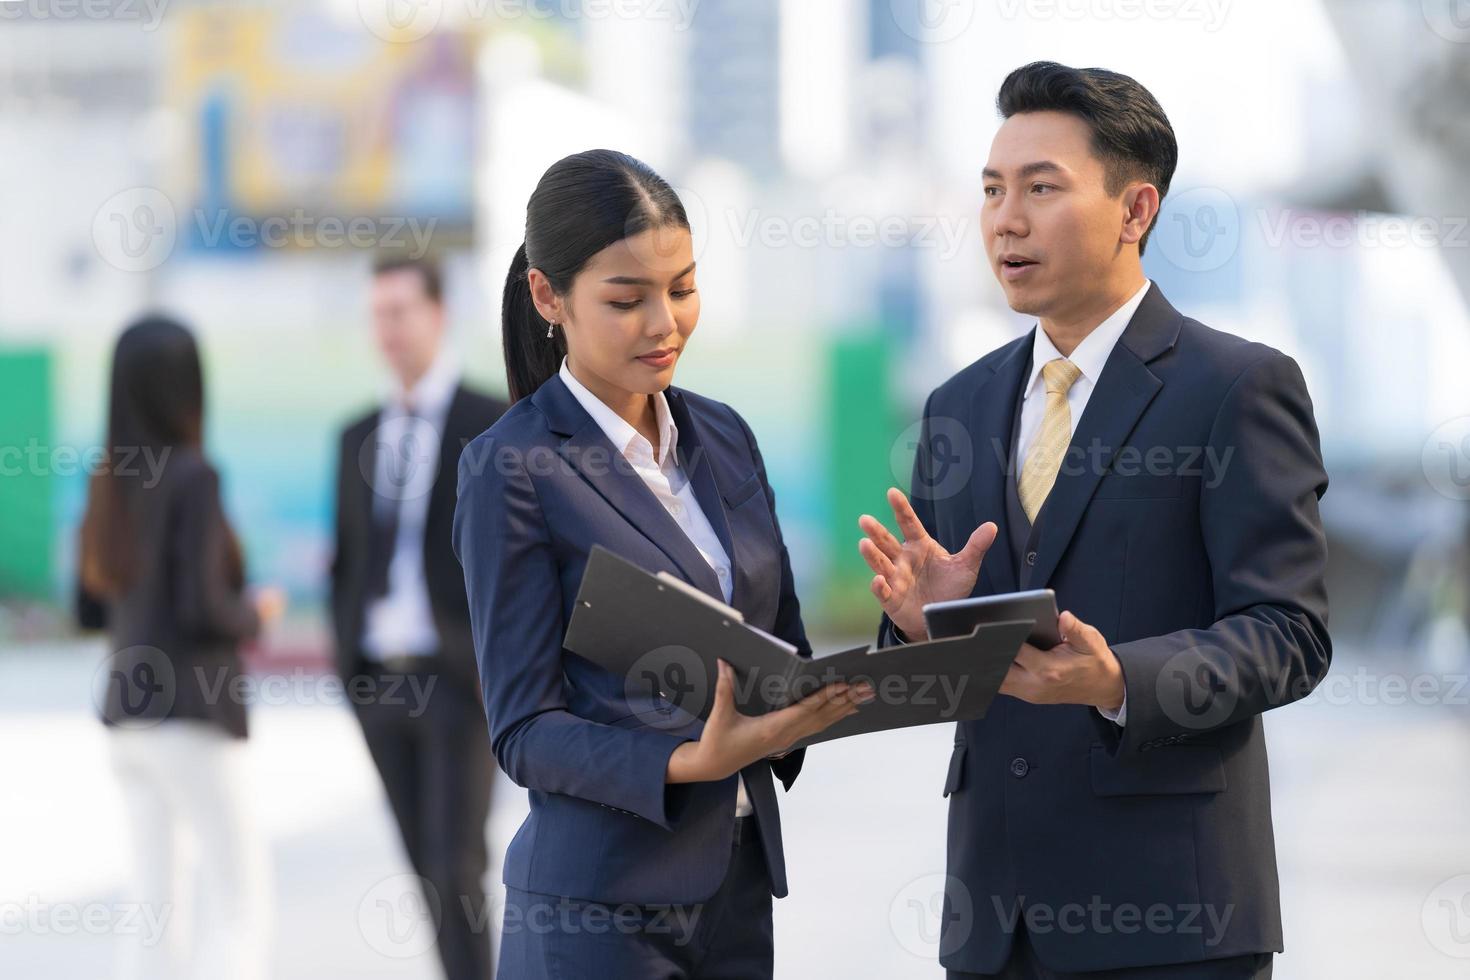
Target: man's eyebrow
639, 281
1028, 169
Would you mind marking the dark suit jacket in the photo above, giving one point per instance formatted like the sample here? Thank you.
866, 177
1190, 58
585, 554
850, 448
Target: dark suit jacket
536, 493
469, 414
1203, 570
175, 632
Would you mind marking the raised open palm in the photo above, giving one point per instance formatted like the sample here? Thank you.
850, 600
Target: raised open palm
917, 570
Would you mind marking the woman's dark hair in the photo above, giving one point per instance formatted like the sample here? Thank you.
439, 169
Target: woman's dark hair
582, 204
155, 406
1130, 133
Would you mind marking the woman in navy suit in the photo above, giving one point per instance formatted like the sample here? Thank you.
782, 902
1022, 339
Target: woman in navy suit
653, 845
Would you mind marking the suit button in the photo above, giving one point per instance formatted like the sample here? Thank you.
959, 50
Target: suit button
1030, 557
1019, 767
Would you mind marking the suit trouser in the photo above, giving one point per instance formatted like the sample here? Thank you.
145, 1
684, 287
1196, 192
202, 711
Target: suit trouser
726, 937
1023, 965
432, 750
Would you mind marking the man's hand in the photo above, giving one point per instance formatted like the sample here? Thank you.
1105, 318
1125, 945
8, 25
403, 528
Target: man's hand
918, 570
1079, 670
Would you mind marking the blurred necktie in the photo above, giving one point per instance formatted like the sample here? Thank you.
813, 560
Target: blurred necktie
1045, 456
383, 536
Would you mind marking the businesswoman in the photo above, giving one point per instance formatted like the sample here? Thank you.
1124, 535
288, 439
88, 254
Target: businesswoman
599, 449
159, 560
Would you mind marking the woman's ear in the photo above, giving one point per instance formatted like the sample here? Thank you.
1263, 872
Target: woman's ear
548, 304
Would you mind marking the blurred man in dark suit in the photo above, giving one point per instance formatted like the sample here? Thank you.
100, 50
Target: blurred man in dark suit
399, 611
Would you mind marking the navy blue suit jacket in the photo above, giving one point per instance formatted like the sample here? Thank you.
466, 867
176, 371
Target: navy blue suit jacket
1203, 570
537, 491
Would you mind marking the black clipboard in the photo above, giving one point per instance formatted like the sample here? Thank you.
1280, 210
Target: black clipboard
663, 637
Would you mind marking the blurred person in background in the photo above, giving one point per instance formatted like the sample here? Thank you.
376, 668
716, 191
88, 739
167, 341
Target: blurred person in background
399, 610
165, 570
642, 815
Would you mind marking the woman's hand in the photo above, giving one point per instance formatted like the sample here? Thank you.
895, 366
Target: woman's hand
917, 570
270, 604
732, 741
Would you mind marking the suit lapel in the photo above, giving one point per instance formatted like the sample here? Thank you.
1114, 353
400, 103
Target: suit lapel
991, 422
592, 456
365, 460
1123, 392
694, 459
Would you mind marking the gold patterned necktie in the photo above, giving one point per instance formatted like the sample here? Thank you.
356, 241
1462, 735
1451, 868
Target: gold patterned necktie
1045, 455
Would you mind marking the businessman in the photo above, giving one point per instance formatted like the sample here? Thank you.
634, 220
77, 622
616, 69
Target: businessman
399, 609
1110, 817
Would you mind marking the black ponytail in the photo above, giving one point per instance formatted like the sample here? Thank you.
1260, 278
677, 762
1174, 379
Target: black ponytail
530, 357
582, 204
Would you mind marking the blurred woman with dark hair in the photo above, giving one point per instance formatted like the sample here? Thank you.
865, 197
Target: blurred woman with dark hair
159, 556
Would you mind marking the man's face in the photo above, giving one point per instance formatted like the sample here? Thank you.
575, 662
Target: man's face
1051, 230
406, 322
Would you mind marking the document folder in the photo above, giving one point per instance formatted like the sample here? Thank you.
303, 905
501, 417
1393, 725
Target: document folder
663, 637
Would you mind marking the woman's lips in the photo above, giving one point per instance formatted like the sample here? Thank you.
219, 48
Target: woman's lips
659, 360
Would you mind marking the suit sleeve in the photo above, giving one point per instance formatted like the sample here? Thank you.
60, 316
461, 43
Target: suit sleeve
207, 604
1267, 551
921, 498
515, 599
789, 626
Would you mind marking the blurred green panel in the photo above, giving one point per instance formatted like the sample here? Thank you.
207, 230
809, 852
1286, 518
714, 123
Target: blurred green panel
25, 473
860, 442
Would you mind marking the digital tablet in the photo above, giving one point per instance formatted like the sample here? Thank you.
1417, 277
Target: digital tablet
959, 617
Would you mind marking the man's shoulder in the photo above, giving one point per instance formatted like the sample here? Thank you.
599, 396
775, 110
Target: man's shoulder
481, 406
963, 382
1209, 355
358, 426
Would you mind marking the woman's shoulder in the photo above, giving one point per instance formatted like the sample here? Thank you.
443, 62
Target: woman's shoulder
521, 425
709, 410
505, 445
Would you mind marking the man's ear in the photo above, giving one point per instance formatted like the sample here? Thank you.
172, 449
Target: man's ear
1141, 205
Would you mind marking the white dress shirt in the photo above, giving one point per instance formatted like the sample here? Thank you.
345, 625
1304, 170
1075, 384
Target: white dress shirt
1089, 357
406, 463
666, 479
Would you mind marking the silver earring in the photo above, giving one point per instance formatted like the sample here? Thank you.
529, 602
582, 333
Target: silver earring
549, 327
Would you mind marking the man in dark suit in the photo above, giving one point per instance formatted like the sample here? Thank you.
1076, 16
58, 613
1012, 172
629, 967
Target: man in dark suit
1110, 816
400, 613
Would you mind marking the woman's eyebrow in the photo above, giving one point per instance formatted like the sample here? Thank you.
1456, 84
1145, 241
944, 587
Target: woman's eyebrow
640, 281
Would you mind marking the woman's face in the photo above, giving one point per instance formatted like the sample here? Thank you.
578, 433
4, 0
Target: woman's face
629, 312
